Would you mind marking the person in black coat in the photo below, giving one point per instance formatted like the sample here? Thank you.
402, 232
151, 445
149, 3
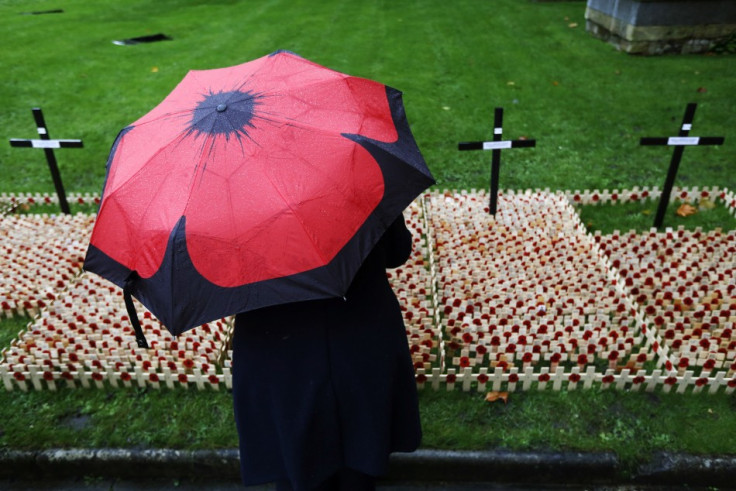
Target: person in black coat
324, 390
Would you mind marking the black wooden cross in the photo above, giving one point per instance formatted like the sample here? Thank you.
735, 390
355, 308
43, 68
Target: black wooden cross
496, 146
680, 141
48, 145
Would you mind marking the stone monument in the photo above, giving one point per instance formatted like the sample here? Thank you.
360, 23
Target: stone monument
653, 27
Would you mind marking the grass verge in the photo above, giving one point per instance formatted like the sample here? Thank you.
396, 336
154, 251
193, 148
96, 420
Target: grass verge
633, 425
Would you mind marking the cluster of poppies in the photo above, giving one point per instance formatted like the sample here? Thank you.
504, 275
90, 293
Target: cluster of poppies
526, 288
526, 292
80, 332
412, 283
685, 283
41, 254
86, 334
636, 194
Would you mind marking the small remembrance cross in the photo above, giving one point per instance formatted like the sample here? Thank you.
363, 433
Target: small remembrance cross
496, 146
48, 145
680, 141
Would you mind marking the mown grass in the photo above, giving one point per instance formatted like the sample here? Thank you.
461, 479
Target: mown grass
10, 327
585, 103
639, 216
633, 425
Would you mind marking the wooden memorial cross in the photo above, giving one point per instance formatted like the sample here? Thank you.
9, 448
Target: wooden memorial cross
48, 145
496, 146
679, 142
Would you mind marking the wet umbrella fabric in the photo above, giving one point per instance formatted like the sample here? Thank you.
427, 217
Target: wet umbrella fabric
254, 185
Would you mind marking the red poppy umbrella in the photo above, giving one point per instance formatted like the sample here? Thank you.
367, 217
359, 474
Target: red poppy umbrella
254, 185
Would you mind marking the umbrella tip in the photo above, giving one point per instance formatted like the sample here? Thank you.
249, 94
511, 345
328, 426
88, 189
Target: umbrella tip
221, 108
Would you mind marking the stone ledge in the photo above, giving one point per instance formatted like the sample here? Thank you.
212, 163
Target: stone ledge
549, 468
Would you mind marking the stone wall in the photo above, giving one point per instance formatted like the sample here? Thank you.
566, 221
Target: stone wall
655, 27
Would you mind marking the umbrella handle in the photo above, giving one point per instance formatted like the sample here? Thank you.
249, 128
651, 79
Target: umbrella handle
132, 314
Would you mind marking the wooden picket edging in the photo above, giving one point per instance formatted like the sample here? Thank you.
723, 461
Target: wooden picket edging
84, 339
9, 202
561, 302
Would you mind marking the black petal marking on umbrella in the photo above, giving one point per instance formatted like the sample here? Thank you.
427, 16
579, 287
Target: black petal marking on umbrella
228, 114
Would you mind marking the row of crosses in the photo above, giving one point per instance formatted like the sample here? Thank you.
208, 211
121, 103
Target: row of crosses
680, 141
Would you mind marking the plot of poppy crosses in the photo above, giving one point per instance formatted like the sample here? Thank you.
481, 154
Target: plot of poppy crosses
521, 291
413, 286
85, 332
684, 282
40, 254
525, 288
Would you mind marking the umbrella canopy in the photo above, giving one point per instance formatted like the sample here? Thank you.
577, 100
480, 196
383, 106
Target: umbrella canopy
254, 185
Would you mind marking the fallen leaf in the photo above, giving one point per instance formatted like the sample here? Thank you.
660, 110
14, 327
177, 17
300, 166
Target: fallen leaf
685, 210
510, 83
572, 25
154, 69
702, 90
646, 212
555, 83
495, 396
631, 366
706, 204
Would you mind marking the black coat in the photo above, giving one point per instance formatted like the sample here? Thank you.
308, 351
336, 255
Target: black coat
326, 384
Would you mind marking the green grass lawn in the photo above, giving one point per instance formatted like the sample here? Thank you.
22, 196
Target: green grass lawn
633, 425
639, 216
586, 104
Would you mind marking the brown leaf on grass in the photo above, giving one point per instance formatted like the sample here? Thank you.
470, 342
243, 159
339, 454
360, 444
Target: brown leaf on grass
494, 396
702, 90
705, 204
685, 210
